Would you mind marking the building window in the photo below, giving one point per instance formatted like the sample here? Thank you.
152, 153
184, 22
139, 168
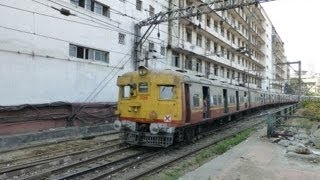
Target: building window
101, 56
222, 51
199, 15
215, 48
73, 50
80, 3
228, 73
228, 34
216, 69
88, 53
122, 38
199, 66
222, 72
162, 50
175, 59
151, 11
208, 46
138, 5
189, 35
188, 63
233, 38
199, 40
93, 6
215, 25
151, 47
222, 30
208, 21
101, 9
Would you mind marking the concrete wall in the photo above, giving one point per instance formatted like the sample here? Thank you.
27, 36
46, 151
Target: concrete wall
34, 50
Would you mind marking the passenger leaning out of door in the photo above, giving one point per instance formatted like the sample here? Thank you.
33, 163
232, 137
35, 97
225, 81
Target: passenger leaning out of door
205, 107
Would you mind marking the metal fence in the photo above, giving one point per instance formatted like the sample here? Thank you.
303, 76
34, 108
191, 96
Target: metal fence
276, 119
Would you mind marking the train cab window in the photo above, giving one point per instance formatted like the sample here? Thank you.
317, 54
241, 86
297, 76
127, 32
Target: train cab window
166, 92
126, 91
143, 87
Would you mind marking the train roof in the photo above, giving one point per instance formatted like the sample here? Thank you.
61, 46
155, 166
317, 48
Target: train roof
184, 77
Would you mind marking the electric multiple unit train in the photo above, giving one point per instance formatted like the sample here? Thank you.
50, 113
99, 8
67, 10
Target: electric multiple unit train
157, 108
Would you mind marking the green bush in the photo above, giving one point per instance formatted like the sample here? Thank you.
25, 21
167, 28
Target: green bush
311, 109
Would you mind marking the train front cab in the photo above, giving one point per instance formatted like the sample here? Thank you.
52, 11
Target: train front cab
149, 107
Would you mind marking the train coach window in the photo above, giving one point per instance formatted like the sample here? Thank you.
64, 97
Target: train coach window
196, 100
166, 92
126, 91
219, 100
143, 87
215, 100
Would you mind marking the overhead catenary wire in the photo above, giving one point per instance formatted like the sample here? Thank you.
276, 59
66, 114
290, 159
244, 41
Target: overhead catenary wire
102, 26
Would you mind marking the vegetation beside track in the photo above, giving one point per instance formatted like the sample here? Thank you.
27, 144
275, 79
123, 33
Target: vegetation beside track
311, 109
203, 156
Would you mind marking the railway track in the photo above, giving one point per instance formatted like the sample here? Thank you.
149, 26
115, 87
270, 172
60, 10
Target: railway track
89, 164
174, 154
22, 166
122, 162
12, 158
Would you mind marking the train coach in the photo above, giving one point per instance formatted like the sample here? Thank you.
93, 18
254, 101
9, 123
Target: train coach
157, 108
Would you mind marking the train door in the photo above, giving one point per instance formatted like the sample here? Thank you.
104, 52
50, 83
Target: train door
245, 94
225, 100
187, 102
237, 100
206, 102
249, 98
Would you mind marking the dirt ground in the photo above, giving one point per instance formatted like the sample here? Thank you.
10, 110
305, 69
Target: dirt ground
290, 157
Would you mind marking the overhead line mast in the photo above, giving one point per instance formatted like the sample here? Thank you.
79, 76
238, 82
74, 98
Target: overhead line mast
190, 11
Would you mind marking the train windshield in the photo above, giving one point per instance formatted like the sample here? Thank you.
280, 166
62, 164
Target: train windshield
166, 92
126, 91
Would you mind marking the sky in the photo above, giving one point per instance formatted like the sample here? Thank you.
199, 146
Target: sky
298, 24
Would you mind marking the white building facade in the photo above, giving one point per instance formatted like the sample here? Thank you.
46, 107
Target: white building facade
232, 46
74, 54
73, 50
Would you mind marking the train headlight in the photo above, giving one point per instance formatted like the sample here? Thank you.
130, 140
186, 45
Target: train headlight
117, 125
155, 128
142, 70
